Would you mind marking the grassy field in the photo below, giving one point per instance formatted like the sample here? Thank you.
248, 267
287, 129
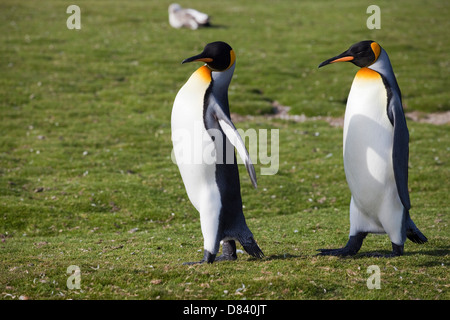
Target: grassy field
86, 177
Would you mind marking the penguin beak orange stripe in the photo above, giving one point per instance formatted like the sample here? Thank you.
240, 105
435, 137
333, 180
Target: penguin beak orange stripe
348, 58
340, 58
205, 60
198, 57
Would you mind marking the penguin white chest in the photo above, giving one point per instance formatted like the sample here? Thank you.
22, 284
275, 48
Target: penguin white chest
193, 148
368, 140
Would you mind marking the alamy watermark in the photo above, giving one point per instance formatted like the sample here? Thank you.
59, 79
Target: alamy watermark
74, 280
373, 281
374, 21
205, 147
74, 20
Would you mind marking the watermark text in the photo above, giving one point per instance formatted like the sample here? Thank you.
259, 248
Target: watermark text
211, 147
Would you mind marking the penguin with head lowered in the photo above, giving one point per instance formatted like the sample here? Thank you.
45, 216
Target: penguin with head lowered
375, 152
204, 139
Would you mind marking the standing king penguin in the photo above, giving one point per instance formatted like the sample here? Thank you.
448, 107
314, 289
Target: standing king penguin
375, 152
201, 113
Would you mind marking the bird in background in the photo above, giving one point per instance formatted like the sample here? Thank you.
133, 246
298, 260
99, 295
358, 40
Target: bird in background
375, 152
187, 18
201, 126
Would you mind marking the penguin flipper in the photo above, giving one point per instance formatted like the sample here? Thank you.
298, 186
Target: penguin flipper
413, 233
400, 158
251, 247
400, 149
233, 135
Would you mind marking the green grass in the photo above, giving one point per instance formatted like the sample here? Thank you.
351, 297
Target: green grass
85, 172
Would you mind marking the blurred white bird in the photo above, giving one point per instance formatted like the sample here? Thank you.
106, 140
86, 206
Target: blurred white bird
187, 18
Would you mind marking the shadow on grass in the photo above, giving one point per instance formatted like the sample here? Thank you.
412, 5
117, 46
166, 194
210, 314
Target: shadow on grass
214, 26
285, 256
437, 252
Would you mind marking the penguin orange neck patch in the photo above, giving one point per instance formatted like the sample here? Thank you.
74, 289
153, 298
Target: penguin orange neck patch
367, 74
204, 73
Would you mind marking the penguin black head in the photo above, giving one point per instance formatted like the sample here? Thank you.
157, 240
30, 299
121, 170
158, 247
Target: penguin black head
362, 54
219, 56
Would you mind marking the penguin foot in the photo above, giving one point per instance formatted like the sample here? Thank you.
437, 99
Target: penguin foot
228, 251
351, 248
223, 257
397, 250
342, 252
208, 257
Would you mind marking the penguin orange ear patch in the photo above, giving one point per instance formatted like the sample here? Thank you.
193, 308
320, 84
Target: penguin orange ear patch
232, 58
376, 49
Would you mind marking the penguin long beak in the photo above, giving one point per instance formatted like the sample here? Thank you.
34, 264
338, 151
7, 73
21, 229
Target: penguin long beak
344, 56
199, 57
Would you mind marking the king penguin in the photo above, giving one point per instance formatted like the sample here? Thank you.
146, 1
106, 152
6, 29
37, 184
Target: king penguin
375, 152
204, 139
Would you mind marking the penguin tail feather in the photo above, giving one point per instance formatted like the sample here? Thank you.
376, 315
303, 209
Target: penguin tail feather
413, 233
253, 249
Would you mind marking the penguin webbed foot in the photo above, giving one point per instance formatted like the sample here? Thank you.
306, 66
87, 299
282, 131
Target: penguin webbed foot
342, 252
351, 248
397, 250
208, 257
228, 251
